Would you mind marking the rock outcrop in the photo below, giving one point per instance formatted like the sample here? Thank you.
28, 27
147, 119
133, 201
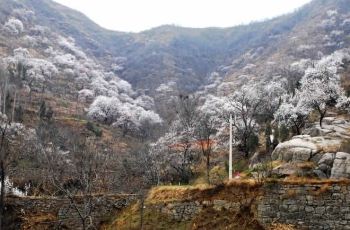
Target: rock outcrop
341, 166
320, 146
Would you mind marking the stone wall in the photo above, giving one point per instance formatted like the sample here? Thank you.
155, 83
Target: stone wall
312, 206
320, 206
55, 213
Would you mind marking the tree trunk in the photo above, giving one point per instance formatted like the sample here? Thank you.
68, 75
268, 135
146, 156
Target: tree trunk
2, 195
30, 95
297, 130
322, 115
83, 224
208, 168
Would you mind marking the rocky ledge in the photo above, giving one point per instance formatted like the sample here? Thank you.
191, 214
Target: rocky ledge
320, 148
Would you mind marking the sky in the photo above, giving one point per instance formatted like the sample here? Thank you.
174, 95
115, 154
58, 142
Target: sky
139, 15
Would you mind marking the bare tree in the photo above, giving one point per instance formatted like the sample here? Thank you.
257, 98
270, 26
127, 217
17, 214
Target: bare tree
75, 168
204, 133
4, 154
9, 143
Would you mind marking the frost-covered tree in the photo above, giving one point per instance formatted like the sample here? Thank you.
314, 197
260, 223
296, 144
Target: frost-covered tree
145, 101
177, 151
24, 14
104, 109
148, 120
82, 81
292, 114
129, 117
85, 95
100, 86
39, 72
246, 105
179, 143
271, 95
320, 91
65, 60
13, 27
125, 87
344, 103
68, 44
293, 74
33, 73
320, 87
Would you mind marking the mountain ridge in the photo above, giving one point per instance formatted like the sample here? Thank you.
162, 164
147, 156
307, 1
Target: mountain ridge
186, 56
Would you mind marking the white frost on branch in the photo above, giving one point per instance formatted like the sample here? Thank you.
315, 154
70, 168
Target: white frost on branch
14, 27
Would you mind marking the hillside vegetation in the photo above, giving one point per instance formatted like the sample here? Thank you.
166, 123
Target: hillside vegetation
86, 111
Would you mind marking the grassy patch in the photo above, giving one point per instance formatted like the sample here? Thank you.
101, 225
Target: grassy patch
225, 219
278, 226
312, 181
130, 219
225, 191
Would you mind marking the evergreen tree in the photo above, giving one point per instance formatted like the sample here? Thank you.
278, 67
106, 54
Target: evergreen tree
284, 133
268, 133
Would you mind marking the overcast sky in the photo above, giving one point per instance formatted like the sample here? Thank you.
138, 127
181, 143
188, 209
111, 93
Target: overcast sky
138, 15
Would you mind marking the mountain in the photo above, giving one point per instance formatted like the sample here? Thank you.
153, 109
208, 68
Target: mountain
187, 55
92, 111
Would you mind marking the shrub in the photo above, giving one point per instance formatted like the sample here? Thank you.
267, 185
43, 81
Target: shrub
218, 174
283, 133
345, 146
94, 128
252, 143
240, 165
19, 113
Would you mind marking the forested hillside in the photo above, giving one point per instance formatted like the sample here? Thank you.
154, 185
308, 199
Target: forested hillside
86, 111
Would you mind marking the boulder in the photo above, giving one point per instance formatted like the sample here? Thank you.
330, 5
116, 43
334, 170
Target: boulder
320, 174
332, 127
305, 148
327, 159
318, 145
296, 150
316, 157
325, 169
341, 166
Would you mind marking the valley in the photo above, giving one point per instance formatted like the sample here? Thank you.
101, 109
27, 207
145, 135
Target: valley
103, 129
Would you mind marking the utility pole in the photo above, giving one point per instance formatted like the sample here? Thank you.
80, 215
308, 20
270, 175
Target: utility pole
230, 154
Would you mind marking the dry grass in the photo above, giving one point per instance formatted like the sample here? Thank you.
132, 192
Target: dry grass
290, 194
224, 219
208, 218
246, 183
306, 165
170, 193
39, 221
312, 181
130, 219
324, 188
278, 226
232, 190
227, 191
